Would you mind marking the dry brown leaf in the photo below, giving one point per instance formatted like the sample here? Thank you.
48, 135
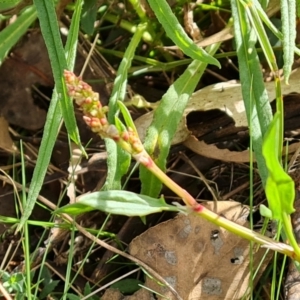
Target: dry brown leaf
212, 151
29, 65
201, 260
221, 36
6, 142
225, 96
112, 294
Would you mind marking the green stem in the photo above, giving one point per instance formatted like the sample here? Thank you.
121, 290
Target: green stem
288, 230
136, 4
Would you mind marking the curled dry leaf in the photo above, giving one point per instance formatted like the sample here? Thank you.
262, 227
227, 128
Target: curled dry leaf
212, 151
200, 260
225, 96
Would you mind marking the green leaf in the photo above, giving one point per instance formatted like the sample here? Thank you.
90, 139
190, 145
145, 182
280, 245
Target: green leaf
48, 289
10, 35
73, 297
119, 125
166, 119
280, 188
88, 16
256, 100
87, 289
265, 211
256, 19
127, 286
54, 117
176, 33
288, 18
118, 161
72, 40
118, 202
50, 31
53, 121
127, 116
8, 4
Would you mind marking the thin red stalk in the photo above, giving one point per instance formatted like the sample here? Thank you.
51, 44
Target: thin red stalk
213, 217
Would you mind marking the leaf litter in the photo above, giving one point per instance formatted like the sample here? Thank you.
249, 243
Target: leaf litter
200, 260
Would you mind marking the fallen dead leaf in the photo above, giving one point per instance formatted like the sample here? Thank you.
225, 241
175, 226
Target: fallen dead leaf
224, 96
28, 65
199, 259
6, 142
212, 151
113, 294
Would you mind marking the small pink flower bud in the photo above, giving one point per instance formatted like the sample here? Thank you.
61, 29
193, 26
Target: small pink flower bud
125, 136
103, 121
87, 120
86, 87
88, 100
95, 122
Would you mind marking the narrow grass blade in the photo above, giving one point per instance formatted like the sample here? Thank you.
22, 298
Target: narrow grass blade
264, 17
257, 25
53, 121
72, 41
288, 18
8, 4
288, 35
258, 110
176, 33
50, 31
166, 119
127, 117
117, 160
88, 16
10, 35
